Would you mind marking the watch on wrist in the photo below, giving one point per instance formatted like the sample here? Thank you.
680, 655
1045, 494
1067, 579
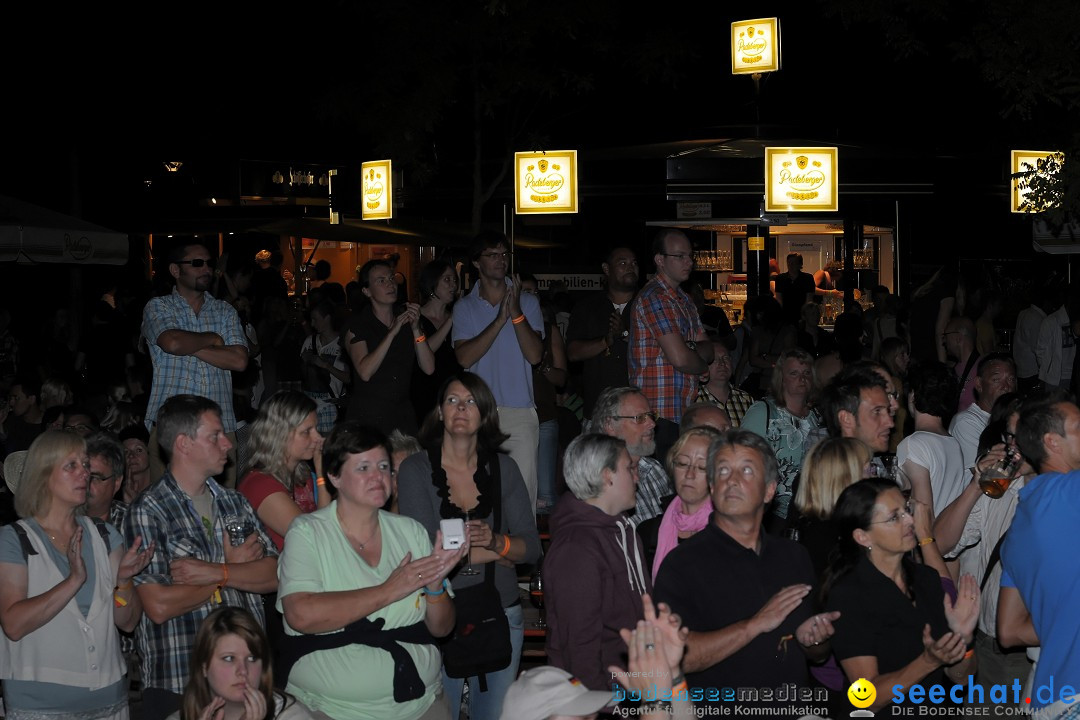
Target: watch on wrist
692, 345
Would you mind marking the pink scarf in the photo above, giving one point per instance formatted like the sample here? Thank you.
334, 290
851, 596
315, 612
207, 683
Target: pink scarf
674, 522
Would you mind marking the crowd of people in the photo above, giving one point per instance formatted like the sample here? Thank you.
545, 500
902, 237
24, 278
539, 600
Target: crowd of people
325, 508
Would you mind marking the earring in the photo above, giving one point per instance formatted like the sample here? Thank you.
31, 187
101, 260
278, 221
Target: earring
869, 548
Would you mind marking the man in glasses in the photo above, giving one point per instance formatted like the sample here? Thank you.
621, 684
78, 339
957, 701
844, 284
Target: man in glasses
196, 342
106, 474
624, 412
995, 375
498, 334
668, 345
745, 595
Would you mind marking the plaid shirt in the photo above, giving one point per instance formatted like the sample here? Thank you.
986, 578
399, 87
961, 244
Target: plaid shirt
660, 309
164, 514
653, 487
738, 402
180, 374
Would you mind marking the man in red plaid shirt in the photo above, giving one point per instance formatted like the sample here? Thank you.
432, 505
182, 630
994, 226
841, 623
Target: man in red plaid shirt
668, 345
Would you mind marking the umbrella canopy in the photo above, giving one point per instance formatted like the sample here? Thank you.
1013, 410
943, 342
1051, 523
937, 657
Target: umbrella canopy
32, 234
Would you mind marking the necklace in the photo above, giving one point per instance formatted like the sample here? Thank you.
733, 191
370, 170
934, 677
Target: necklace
370, 538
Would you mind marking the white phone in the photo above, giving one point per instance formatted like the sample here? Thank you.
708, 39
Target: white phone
453, 533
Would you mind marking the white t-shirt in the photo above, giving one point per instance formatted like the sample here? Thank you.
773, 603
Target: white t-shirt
942, 457
966, 427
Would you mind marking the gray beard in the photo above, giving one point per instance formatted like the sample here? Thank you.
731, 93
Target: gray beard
642, 449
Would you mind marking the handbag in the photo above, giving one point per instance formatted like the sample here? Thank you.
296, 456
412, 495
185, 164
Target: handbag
480, 642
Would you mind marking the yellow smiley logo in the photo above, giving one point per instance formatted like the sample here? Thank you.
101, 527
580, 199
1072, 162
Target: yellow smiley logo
862, 693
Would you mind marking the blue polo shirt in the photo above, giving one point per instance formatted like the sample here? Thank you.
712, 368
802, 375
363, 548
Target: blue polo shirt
503, 367
1039, 558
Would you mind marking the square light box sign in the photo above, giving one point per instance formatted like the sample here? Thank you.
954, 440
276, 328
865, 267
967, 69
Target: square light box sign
1022, 161
755, 46
545, 182
800, 179
377, 189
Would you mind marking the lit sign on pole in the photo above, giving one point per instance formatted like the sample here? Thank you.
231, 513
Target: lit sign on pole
545, 182
377, 189
755, 46
1027, 161
800, 179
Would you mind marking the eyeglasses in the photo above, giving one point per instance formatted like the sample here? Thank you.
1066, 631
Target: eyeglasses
197, 262
685, 465
101, 478
896, 516
679, 256
81, 427
640, 418
493, 255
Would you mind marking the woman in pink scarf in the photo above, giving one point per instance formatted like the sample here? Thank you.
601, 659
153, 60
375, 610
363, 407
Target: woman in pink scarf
689, 511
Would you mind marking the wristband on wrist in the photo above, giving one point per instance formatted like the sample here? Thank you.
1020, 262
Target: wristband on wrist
321, 482
505, 547
925, 541
223, 583
118, 600
519, 319
678, 689
420, 338
969, 653
436, 593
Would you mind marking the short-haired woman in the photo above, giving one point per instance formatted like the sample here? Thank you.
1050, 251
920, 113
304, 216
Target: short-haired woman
595, 571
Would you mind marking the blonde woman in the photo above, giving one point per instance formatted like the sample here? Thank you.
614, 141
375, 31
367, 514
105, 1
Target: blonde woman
278, 481
65, 588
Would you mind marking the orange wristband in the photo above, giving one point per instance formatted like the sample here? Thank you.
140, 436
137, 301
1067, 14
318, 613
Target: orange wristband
420, 338
321, 482
519, 319
505, 547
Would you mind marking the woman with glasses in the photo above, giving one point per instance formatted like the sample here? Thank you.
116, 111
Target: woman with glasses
896, 627
930, 458
65, 588
456, 478
785, 418
689, 510
384, 344
363, 595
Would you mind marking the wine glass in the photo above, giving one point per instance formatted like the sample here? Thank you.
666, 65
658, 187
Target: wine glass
468, 569
536, 596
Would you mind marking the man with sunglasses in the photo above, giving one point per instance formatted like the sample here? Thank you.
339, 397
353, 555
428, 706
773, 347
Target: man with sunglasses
623, 412
668, 345
196, 342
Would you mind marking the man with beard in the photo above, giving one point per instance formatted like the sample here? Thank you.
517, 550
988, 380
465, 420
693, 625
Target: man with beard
599, 328
668, 348
623, 412
195, 342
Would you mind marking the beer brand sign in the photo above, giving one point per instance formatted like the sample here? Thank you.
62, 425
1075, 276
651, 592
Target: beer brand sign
545, 182
800, 179
377, 189
755, 46
1028, 161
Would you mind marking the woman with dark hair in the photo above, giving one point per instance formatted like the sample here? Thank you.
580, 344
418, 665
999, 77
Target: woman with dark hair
895, 356
363, 594
383, 352
785, 418
231, 674
438, 290
456, 478
896, 627
930, 458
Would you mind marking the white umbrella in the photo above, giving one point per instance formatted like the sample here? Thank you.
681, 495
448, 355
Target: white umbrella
32, 234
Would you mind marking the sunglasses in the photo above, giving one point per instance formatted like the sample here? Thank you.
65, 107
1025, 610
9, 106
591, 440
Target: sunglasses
197, 262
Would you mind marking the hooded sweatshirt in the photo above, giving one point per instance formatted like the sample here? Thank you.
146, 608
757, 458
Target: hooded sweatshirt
594, 576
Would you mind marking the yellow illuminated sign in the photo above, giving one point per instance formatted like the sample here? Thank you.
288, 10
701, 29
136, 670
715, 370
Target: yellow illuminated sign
755, 46
377, 188
755, 243
545, 182
800, 179
1024, 161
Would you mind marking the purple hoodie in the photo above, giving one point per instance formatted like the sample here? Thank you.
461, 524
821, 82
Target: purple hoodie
594, 576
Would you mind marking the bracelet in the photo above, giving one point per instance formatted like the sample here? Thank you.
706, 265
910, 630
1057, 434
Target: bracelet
118, 600
126, 586
436, 597
420, 338
440, 591
926, 541
969, 653
519, 319
321, 482
648, 707
678, 689
505, 547
224, 581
